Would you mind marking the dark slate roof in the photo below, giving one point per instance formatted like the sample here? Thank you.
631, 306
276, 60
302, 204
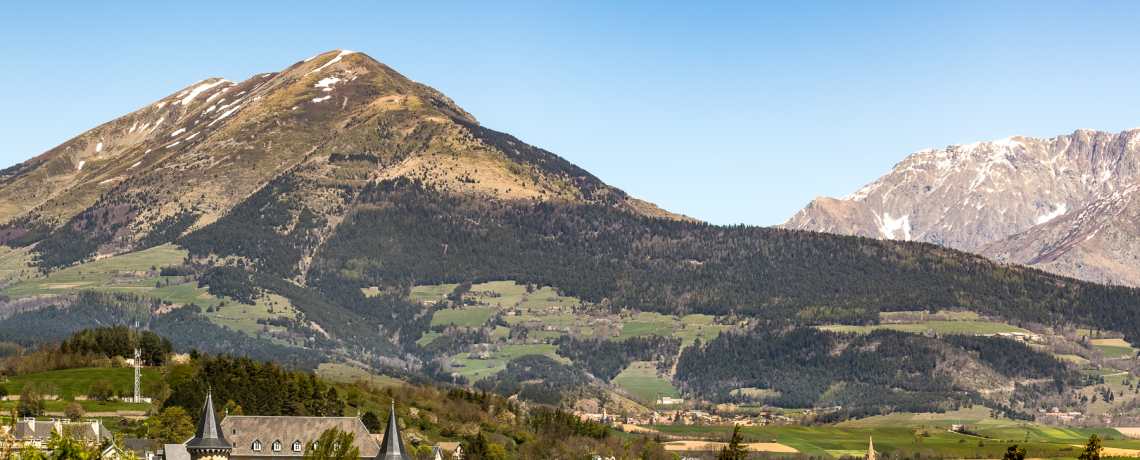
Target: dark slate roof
243, 430
137, 445
175, 452
393, 446
91, 430
209, 434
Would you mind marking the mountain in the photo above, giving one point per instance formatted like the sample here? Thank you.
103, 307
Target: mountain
1097, 242
192, 156
968, 196
317, 200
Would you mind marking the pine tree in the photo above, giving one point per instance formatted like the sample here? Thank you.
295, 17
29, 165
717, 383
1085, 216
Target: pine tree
1092, 450
735, 450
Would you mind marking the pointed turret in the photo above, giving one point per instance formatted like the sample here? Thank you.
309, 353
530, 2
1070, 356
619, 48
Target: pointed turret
393, 446
870, 449
208, 441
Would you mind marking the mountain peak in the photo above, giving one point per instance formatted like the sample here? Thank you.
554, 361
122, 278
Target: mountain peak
337, 119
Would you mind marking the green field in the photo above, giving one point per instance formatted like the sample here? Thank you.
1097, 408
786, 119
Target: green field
952, 327
338, 372
476, 369
641, 379
77, 382
92, 275
835, 442
688, 328
469, 316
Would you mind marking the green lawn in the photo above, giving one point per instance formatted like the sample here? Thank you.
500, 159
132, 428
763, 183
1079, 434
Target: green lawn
641, 379
77, 382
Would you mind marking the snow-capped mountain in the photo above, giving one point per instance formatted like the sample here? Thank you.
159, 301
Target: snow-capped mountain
967, 196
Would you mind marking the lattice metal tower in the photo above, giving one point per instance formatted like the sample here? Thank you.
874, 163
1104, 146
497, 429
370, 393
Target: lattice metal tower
138, 374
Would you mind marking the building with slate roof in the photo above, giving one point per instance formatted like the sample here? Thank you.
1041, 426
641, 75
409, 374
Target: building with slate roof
267, 437
243, 437
38, 433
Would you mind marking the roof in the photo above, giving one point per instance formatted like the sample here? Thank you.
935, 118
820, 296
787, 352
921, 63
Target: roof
449, 446
175, 452
209, 434
243, 430
136, 445
393, 446
31, 429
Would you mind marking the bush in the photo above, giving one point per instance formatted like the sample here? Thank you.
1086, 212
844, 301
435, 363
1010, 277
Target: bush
74, 411
101, 390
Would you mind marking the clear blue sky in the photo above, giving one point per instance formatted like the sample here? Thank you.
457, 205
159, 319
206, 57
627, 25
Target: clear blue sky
732, 112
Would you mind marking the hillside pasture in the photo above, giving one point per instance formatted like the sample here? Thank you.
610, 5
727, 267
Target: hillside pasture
641, 379
77, 382
944, 327
96, 274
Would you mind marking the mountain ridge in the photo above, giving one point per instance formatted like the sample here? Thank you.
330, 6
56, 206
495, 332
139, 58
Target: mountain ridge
314, 110
968, 196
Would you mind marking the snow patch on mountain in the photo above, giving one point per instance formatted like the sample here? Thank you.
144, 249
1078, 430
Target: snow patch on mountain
196, 91
1048, 217
335, 59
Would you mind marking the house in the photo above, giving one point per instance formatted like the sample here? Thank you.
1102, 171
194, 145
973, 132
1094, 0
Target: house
38, 433
277, 437
129, 449
455, 448
273, 438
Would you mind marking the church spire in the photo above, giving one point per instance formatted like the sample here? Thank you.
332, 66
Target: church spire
393, 446
870, 449
208, 441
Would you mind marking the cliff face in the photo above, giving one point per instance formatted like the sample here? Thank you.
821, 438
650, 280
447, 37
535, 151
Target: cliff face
969, 196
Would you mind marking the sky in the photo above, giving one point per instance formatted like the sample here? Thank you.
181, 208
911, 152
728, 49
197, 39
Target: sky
730, 112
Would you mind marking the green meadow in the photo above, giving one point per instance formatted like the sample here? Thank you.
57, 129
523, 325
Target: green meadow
641, 379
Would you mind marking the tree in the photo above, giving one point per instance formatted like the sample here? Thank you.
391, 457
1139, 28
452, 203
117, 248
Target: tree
1013, 453
31, 401
735, 450
101, 390
65, 447
1092, 450
173, 426
476, 448
372, 422
333, 444
333, 406
74, 411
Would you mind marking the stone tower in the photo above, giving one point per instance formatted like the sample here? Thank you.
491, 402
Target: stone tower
393, 446
870, 448
208, 442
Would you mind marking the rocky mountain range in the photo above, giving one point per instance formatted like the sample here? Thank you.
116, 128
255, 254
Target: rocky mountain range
1061, 204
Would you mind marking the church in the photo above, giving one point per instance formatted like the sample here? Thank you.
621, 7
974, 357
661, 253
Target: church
240, 437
